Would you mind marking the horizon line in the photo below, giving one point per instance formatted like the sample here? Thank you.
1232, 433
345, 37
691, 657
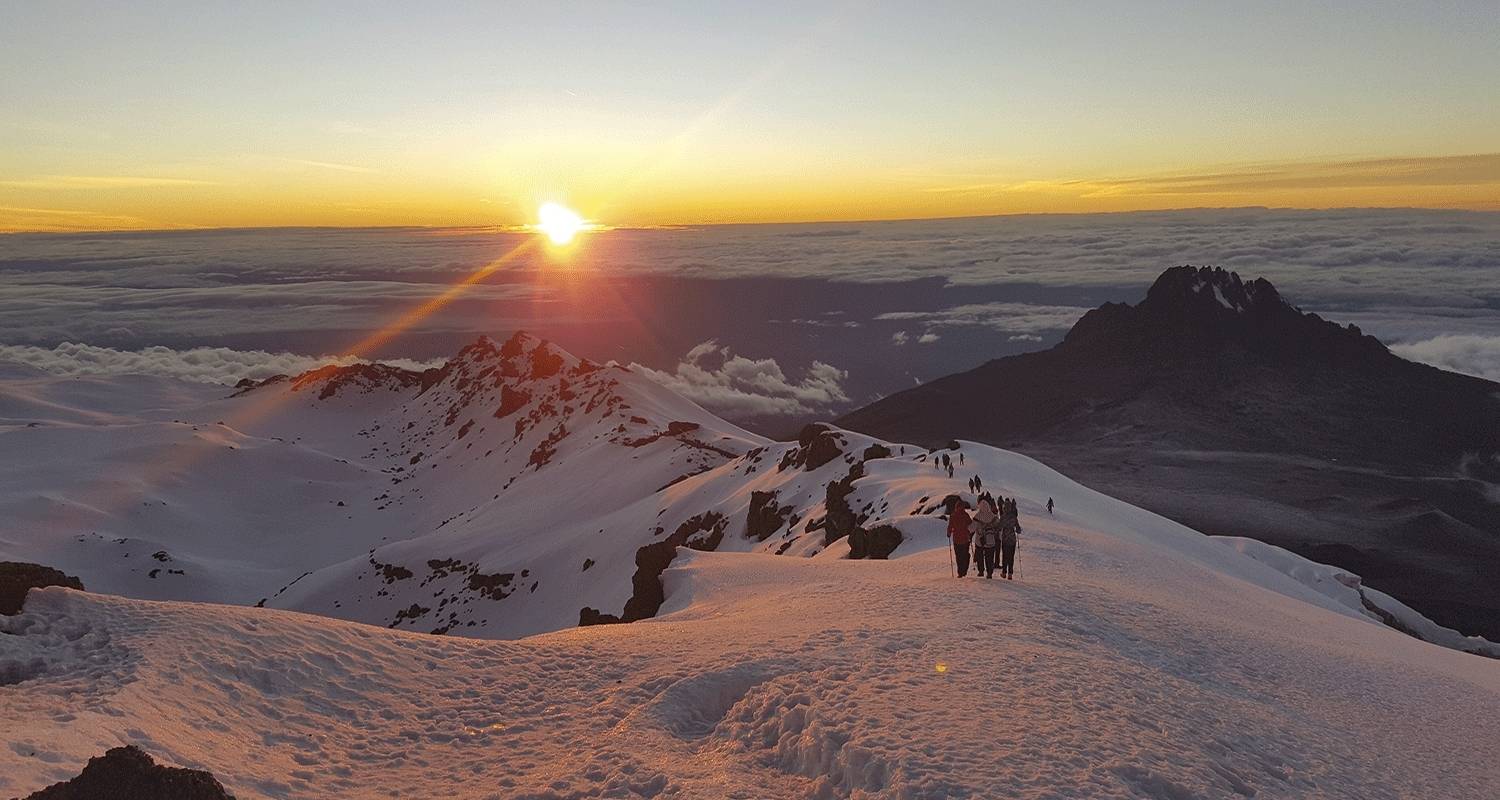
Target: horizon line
603, 227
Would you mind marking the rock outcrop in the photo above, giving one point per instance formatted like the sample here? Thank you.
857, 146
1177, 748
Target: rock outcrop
17, 578
127, 773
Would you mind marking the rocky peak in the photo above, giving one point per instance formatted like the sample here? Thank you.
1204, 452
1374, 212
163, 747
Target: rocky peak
520, 356
1213, 288
1203, 311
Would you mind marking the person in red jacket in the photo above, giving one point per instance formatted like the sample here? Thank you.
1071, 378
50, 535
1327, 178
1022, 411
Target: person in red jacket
958, 530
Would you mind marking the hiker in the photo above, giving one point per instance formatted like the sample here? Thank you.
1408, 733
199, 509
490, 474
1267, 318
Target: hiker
1049, 505
958, 531
978, 484
986, 529
1010, 536
960, 459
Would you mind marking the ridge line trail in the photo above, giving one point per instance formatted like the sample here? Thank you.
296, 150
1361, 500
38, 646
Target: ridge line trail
1098, 692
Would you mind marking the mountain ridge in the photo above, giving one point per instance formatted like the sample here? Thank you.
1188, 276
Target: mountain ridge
1218, 403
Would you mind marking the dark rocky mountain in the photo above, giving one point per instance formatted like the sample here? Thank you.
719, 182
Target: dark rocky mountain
1216, 402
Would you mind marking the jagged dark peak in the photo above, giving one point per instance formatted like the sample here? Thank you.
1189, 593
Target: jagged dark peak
1201, 311
520, 347
1189, 285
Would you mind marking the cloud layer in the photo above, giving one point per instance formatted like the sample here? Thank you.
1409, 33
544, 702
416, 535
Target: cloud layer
1009, 317
717, 379
201, 364
860, 295
1467, 353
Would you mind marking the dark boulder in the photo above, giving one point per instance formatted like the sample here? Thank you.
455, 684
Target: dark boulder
841, 520
817, 445
126, 773
17, 578
765, 517
877, 542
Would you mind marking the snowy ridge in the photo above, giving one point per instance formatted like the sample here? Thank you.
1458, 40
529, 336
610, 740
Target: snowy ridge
519, 490
515, 490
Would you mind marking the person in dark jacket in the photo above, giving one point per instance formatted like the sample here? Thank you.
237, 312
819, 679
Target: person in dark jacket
1010, 536
958, 530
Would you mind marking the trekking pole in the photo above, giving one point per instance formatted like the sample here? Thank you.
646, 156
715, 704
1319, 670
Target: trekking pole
952, 567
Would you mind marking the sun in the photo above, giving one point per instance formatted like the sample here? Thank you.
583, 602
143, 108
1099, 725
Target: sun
559, 222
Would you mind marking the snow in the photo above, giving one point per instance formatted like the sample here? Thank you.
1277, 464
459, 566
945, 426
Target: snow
782, 677
1133, 658
1347, 590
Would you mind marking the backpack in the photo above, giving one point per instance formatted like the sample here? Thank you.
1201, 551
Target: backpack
990, 535
1011, 533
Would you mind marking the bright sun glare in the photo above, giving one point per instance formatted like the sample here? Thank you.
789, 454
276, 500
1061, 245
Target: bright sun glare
559, 222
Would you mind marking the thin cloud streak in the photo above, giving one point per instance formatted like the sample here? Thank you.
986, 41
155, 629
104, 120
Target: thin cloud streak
1420, 171
68, 182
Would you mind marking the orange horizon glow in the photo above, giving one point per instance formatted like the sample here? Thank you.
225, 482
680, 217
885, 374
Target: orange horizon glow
55, 204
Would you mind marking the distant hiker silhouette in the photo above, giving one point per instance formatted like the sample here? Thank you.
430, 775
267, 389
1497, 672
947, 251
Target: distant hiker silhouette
1049, 505
958, 531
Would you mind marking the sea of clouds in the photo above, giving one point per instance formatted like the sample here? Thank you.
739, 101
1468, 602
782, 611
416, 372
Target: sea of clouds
198, 364
878, 304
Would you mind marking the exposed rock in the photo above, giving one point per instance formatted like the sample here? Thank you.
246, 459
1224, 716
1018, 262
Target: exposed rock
652, 560
17, 578
544, 362
817, 444
511, 401
362, 377
127, 773
841, 519
765, 516
877, 542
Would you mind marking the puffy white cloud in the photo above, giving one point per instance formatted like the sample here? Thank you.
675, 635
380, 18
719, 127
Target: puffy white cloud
1470, 354
201, 364
900, 338
928, 338
717, 379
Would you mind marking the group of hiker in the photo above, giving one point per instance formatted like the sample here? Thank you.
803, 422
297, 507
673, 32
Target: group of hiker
993, 529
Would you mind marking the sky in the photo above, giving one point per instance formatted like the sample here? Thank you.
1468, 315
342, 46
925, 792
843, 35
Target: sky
205, 114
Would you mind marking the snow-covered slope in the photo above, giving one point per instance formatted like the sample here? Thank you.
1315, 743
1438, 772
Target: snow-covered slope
519, 490
1118, 667
516, 490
